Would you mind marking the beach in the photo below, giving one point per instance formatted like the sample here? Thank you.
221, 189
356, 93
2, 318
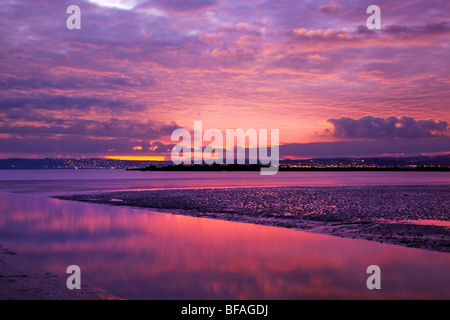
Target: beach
413, 216
21, 281
152, 236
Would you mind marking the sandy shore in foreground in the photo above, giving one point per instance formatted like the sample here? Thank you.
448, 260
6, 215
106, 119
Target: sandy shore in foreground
21, 281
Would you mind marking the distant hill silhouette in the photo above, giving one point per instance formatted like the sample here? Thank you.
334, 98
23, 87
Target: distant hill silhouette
256, 167
417, 163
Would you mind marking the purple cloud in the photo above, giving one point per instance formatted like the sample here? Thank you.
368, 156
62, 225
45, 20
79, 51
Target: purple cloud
330, 7
113, 127
72, 145
183, 5
369, 127
160, 147
404, 147
62, 102
435, 28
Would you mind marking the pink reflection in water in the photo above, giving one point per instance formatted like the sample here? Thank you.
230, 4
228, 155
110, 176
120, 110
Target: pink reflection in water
140, 254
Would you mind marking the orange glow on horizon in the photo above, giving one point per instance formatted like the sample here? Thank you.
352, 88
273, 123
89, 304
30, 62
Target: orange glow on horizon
137, 158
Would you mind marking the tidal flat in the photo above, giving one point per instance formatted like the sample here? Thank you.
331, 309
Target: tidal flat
408, 215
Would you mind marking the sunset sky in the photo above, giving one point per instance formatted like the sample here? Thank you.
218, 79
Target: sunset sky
137, 70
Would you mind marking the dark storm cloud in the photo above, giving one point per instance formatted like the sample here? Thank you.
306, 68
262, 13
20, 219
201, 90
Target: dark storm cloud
375, 127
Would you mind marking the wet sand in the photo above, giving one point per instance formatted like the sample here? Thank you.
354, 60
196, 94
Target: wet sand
387, 214
21, 281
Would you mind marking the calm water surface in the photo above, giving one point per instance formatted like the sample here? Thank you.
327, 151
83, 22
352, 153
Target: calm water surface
84, 180
140, 254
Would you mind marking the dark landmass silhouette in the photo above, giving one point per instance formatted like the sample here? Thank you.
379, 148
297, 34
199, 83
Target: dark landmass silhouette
257, 167
416, 163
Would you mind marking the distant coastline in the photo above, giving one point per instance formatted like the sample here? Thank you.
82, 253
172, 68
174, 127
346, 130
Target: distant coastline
255, 167
416, 163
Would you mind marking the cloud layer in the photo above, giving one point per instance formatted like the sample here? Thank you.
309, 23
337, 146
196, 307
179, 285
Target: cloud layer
139, 68
392, 127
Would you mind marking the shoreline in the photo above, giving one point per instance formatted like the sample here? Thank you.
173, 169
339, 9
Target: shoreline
25, 282
326, 210
255, 167
21, 281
